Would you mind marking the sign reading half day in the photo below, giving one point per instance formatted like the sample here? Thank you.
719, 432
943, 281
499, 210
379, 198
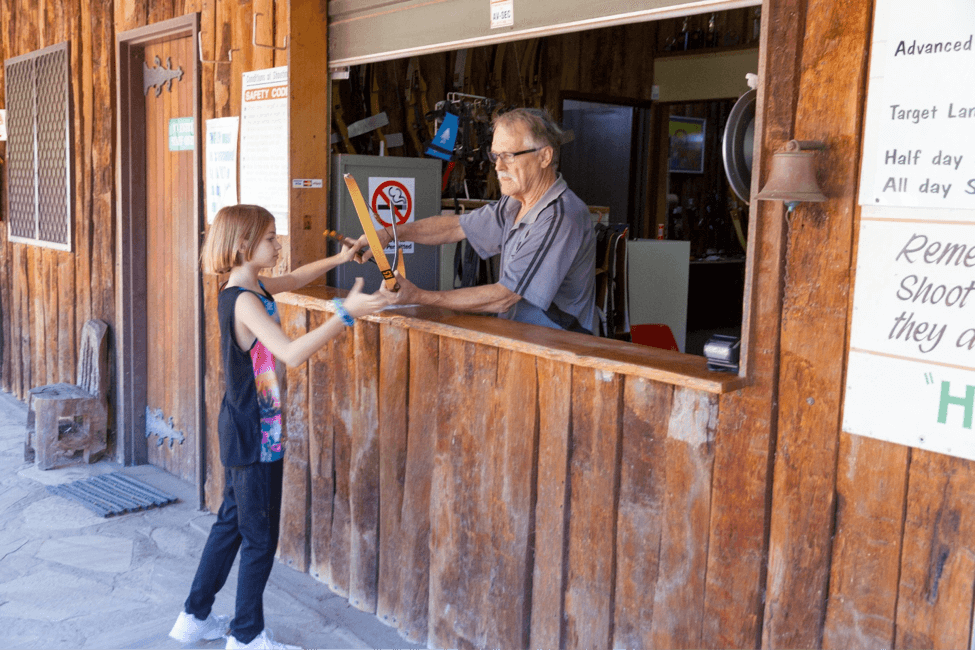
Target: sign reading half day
911, 370
392, 201
919, 146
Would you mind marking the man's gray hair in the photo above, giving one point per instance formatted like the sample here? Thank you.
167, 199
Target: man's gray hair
542, 129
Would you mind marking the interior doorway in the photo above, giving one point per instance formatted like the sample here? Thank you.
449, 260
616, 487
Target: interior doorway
605, 164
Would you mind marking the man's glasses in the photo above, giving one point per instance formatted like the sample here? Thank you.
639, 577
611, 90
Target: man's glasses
507, 156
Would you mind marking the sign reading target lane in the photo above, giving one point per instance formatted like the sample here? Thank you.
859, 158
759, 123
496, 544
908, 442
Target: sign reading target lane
391, 200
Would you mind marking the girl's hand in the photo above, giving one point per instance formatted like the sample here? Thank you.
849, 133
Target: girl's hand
362, 304
347, 254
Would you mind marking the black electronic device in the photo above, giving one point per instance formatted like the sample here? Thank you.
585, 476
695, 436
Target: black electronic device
722, 352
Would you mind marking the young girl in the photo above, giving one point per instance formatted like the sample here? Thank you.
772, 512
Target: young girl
242, 240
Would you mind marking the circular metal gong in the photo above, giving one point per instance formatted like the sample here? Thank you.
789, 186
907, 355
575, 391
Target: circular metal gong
737, 148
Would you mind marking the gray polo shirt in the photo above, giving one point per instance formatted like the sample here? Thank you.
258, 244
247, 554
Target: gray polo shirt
548, 258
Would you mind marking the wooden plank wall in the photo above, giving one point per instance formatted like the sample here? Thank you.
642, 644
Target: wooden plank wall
47, 296
486, 497
489, 498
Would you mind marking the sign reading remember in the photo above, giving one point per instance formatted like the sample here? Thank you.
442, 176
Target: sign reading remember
911, 369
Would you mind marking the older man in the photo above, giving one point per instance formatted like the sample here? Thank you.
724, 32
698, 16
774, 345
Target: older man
540, 227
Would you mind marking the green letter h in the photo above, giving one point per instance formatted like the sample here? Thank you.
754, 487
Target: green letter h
968, 402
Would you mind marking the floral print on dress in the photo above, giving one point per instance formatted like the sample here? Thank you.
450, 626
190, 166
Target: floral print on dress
268, 393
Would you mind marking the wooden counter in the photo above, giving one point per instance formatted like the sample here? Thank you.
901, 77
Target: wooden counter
481, 483
665, 366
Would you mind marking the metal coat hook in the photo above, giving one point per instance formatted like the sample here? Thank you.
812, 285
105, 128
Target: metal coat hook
254, 37
199, 43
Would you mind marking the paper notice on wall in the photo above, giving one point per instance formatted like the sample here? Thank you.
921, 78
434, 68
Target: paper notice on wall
919, 144
264, 143
910, 375
220, 146
3, 125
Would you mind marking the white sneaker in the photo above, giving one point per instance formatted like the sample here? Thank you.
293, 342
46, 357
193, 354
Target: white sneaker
190, 629
262, 641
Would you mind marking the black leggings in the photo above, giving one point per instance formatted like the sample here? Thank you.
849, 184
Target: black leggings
248, 520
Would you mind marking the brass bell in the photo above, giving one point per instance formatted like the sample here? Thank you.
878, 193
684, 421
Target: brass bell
793, 176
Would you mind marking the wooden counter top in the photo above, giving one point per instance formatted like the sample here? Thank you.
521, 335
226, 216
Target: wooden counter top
621, 357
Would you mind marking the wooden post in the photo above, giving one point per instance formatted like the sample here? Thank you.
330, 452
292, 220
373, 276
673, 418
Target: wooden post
308, 150
814, 327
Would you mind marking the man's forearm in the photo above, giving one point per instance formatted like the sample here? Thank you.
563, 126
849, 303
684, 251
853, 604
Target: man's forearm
441, 229
491, 298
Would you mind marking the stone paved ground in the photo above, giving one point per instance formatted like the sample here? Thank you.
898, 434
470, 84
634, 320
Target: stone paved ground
72, 579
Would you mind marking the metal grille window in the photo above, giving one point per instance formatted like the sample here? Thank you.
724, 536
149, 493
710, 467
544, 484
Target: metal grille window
38, 100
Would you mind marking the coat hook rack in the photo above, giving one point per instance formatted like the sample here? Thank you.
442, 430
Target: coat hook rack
254, 37
199, 44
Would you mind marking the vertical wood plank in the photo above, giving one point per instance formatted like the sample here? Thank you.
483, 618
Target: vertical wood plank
295, 519
871, 491
740, 509
364, 470
321, 414
814, 328
37, 353
215, 386
411, 615
593, 490
394, 372
21, 268
308, 155
679, 596
343, 391
67, 329
102, 227
934, 602
643, 476
483, 499
551, 508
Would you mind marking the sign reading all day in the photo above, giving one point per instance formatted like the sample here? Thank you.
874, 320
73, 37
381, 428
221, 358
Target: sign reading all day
911, 370
391, 202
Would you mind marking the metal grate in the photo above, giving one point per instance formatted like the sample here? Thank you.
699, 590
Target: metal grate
20, 148
112, 494
39, 146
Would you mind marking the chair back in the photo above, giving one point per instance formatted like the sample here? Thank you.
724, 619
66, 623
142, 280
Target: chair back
93, 370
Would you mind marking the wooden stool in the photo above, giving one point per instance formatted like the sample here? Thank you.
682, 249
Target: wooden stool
63, 419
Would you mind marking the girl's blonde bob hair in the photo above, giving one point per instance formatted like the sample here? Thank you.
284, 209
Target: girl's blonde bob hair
231, 228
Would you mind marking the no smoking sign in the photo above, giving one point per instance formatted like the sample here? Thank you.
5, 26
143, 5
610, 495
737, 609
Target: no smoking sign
391, 200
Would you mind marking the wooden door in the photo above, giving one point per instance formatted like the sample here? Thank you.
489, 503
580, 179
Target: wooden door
172, 268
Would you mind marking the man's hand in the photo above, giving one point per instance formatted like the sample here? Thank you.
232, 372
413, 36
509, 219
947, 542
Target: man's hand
363, 245
408, 294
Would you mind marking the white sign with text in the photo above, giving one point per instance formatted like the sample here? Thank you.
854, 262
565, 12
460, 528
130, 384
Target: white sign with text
919, 143
264, 143
911, 369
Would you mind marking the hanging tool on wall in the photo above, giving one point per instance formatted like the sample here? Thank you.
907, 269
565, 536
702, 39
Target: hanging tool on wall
339, 120
531, 73
497, 74
374, 104
526, 64
417, 106
366, 99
